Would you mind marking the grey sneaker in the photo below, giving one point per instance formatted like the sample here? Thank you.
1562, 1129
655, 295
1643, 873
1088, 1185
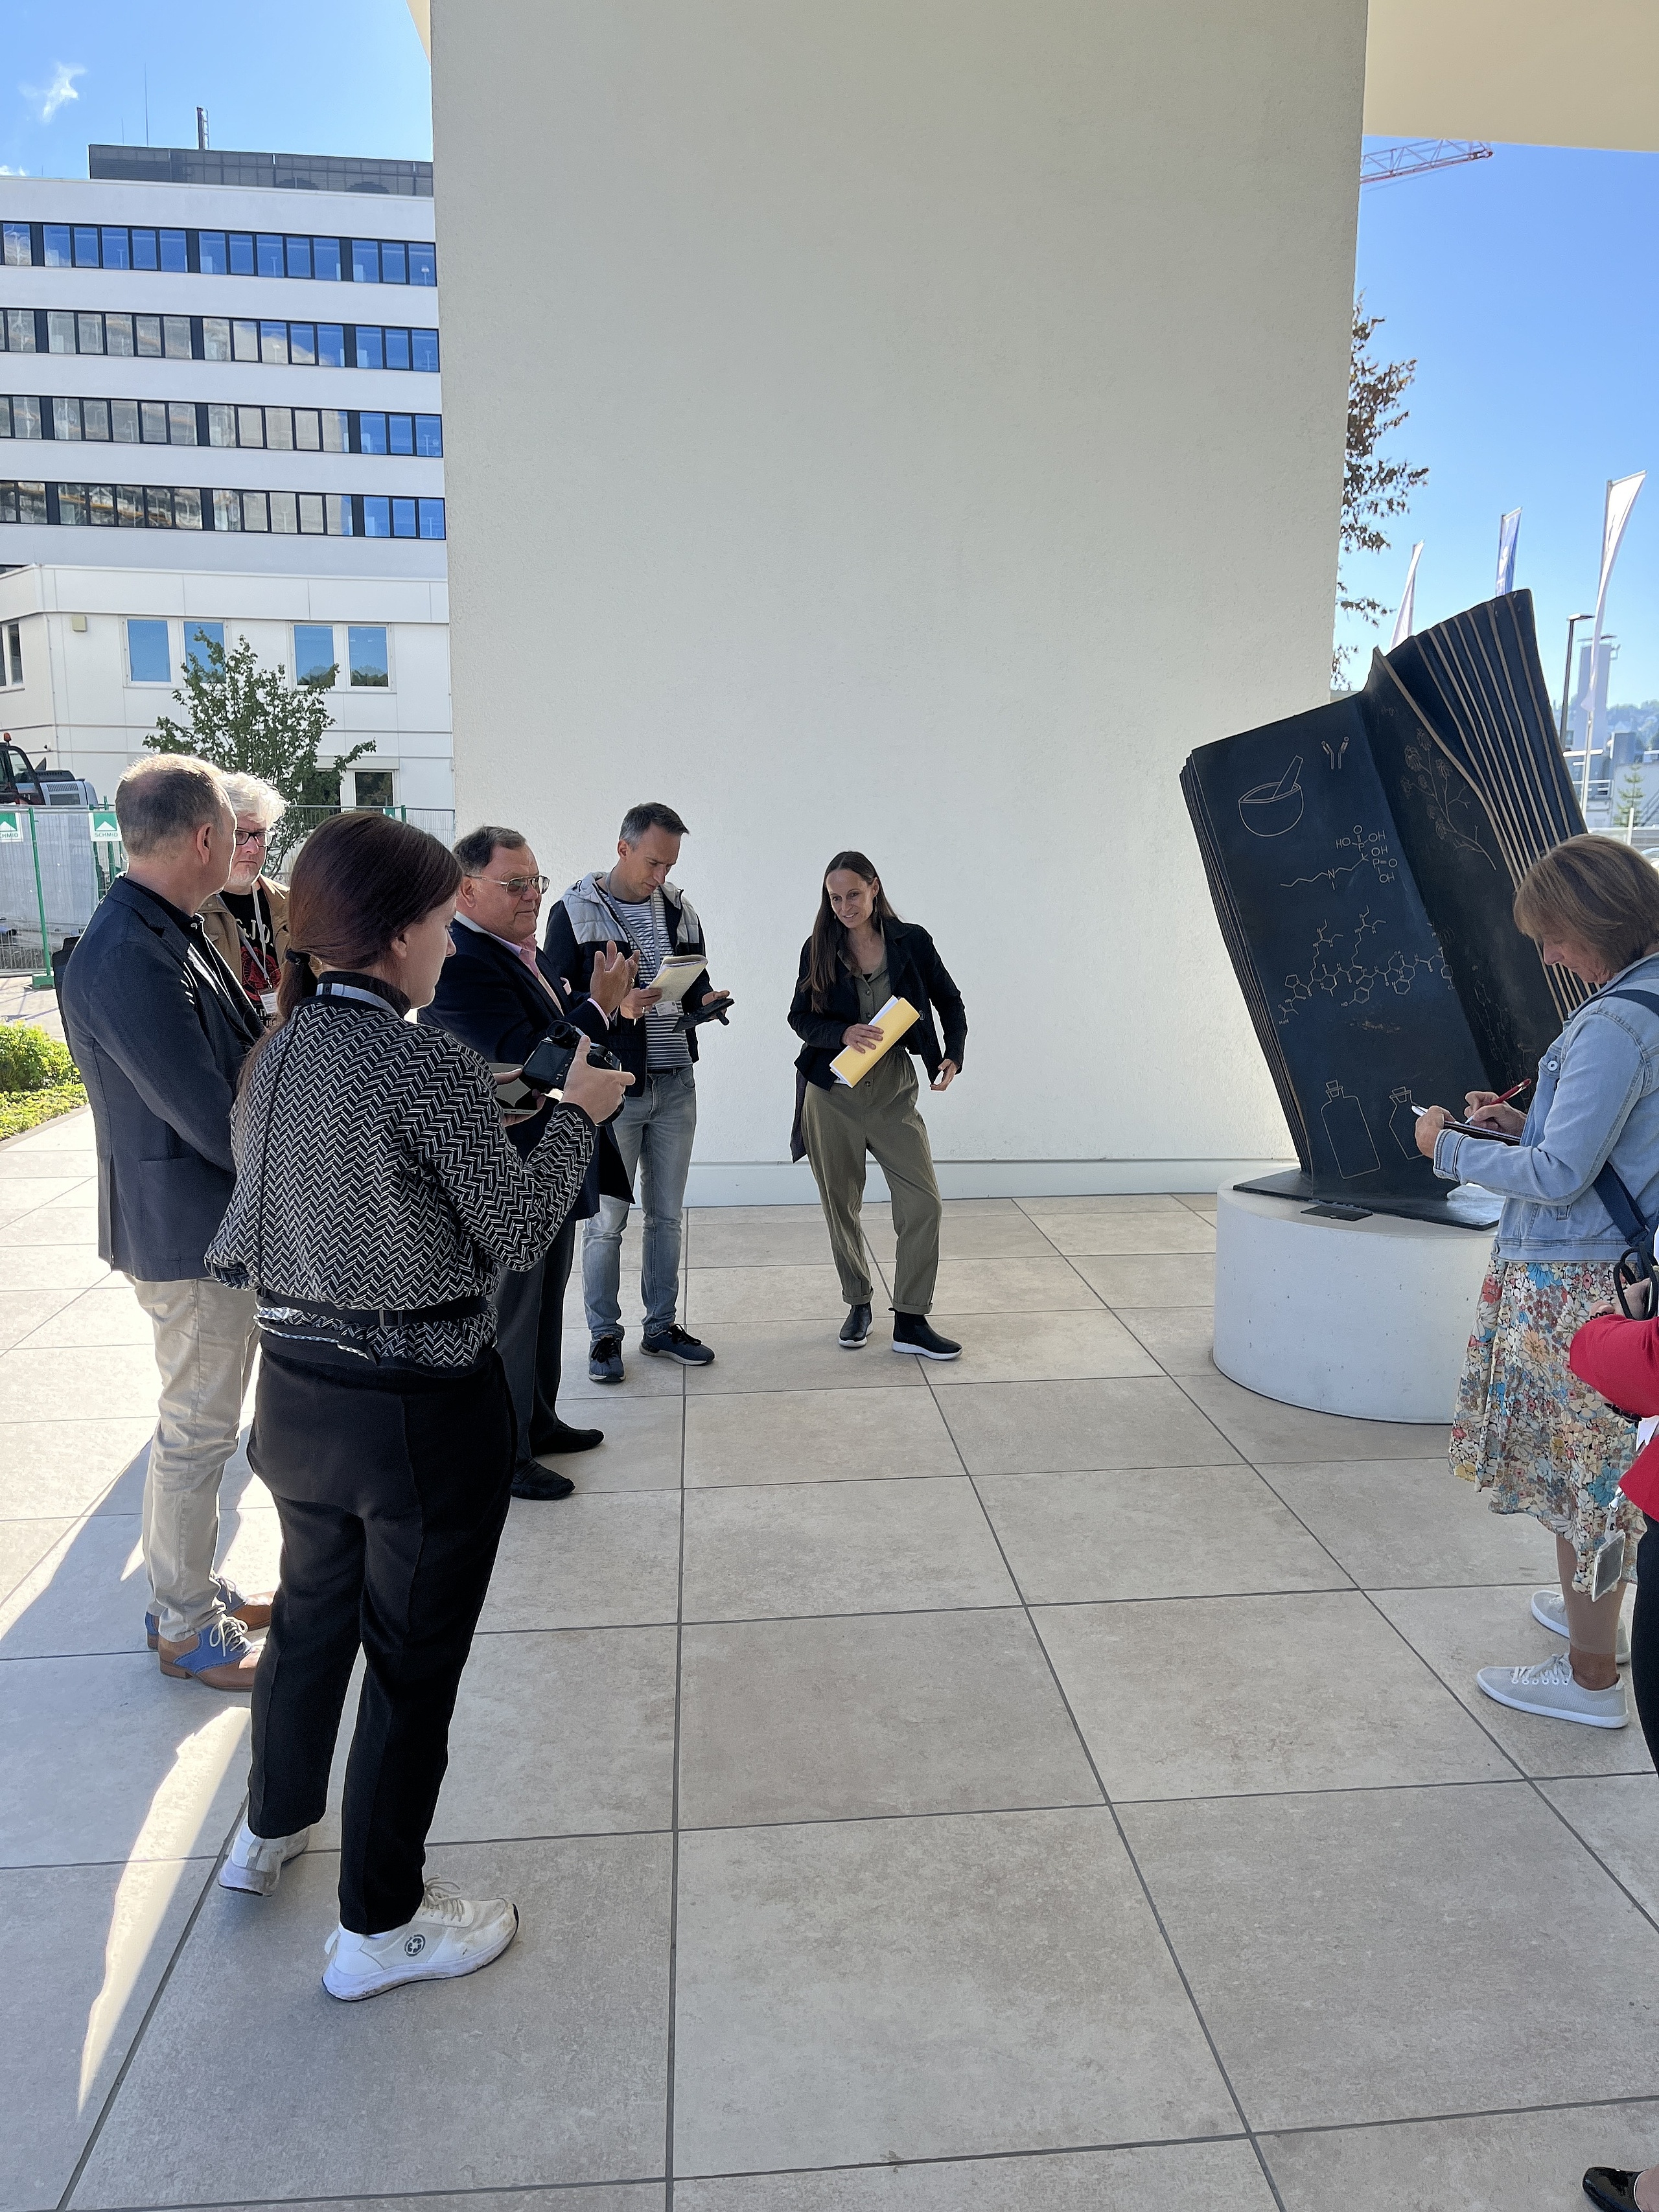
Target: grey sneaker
676, 1343
449, 1936
605, 1363
256, 1863
1549, 1610
1550, 1690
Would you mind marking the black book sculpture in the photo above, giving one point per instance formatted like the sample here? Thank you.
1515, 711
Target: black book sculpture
1363, 860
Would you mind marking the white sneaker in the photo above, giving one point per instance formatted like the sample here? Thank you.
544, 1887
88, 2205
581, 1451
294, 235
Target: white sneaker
256, 1863
1550, 1690
449, 1936
1549, 1610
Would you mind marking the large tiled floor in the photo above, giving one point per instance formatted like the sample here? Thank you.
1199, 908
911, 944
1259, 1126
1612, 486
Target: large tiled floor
1054, 1781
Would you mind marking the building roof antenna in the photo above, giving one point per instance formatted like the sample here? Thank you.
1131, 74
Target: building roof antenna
202, 129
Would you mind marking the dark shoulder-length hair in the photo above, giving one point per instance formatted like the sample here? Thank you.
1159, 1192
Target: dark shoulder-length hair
359, 881
828, 938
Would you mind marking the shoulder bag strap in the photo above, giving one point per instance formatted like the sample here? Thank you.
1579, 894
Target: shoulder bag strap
1609, 1185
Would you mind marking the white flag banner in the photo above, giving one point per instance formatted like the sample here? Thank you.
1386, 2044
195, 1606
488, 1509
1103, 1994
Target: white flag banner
1403, 620
1621, 497
1509, 535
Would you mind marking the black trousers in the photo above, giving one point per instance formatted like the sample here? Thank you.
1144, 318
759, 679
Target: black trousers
392, 1496
1645, 1638
530, 1337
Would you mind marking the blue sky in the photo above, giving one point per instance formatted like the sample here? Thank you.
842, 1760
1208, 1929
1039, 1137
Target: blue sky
1524, 285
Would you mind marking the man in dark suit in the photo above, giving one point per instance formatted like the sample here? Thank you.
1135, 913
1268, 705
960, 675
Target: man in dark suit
497, 993
159, 1028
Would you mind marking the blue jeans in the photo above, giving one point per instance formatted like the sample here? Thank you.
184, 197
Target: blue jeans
654, 1133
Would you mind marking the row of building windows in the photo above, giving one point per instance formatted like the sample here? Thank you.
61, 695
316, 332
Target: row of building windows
219, 253
218, 423
283, 514
318, 661
216, 337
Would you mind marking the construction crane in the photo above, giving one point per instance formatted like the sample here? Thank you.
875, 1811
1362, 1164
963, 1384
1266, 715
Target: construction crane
1414, 157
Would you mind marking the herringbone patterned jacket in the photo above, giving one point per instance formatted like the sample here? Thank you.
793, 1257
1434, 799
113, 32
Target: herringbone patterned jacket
373, 1171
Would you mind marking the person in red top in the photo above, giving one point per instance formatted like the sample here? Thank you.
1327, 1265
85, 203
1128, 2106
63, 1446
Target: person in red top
1621, 1359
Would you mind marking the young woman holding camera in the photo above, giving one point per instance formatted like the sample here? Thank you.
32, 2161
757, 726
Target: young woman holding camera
859, 955
377, 1195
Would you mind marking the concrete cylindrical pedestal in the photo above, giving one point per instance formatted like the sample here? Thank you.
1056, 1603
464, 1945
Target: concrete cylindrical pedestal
1369, 1318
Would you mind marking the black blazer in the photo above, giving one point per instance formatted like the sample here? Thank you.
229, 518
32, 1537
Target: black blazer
159, 1028
488, 998
915, 972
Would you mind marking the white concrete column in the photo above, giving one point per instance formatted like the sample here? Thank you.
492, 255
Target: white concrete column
912, 425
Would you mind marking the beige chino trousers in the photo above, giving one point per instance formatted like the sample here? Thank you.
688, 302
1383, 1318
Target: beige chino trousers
878, 1117
204, 1345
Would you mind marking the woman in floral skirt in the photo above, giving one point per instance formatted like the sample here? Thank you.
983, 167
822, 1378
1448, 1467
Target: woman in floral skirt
1526, 1429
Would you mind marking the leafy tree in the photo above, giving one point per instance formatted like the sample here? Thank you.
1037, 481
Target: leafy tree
250, 718
1627, 807
1374, 489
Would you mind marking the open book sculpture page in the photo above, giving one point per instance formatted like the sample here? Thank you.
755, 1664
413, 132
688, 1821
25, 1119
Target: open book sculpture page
1363, 860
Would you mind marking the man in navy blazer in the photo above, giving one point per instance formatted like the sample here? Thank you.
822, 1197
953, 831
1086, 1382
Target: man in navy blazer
497, 994
160, 1027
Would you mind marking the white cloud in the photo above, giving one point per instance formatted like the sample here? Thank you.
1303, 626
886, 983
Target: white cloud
52, 96
5, 171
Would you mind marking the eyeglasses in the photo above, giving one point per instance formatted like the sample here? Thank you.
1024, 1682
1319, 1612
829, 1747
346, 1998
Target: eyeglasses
251, 836
519, 884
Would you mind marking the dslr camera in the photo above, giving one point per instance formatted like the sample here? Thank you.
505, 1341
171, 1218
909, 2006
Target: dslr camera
552, 1060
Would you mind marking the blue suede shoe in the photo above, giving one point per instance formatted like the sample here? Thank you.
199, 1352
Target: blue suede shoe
252, 1612
219, 1657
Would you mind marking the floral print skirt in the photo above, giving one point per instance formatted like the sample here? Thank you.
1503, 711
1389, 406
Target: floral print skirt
1526, 1428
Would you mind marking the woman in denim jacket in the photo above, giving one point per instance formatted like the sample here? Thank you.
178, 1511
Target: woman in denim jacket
1525, 1427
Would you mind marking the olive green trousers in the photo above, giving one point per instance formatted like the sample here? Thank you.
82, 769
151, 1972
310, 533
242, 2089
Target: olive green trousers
877, 1116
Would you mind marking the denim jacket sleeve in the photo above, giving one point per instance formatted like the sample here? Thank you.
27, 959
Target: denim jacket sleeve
1601, 1077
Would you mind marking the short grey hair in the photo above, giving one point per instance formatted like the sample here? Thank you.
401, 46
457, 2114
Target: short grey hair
473, 851
251, 794
166, 797
653, 814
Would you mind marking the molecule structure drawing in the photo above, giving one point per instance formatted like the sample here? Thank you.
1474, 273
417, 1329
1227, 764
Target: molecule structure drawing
1351, 979
1371, 850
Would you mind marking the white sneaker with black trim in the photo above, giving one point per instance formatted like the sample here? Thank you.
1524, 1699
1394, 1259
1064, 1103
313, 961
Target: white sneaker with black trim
1549, 1610
448, 1936
1551, 1691
256, 1863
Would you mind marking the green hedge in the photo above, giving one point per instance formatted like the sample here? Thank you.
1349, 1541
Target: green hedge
38, 1080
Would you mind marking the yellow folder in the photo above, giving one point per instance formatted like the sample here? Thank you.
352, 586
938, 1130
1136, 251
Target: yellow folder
892, 1020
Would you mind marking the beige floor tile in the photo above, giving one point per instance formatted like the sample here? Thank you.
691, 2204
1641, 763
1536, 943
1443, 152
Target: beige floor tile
756, 1236
356, 2102
716, 1296
1049, 1428
108, 1314
1458, 1632
1410, 1523
1615, 1814
1011, 1286
1153, 1278
1118, 1236
1501, 2162
1375, 1955
51, 1267
823, 1720
1263, 1428
22, 1194
1097, 1208
1026, 1347
796, 1355
945, 2016
1158, 1532
23, 1544
827, 1547
642, 1378
22, 1312
817, 1436
563, 1734
1006, 1234
588, 1561
623, 2196
168, 1759
643, 1437
1210, 1697
119, 1380
85, 1948
1217, 2177
88, 1594
54, 1226
58, 1467
1180, 1338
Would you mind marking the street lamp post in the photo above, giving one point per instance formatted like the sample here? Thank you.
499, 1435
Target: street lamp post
1566, 680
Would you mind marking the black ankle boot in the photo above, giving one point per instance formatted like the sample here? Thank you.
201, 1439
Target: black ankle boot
912, 1334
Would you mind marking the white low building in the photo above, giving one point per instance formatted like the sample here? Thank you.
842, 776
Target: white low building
220, 417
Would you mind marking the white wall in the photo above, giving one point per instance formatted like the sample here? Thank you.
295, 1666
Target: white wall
912, 424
